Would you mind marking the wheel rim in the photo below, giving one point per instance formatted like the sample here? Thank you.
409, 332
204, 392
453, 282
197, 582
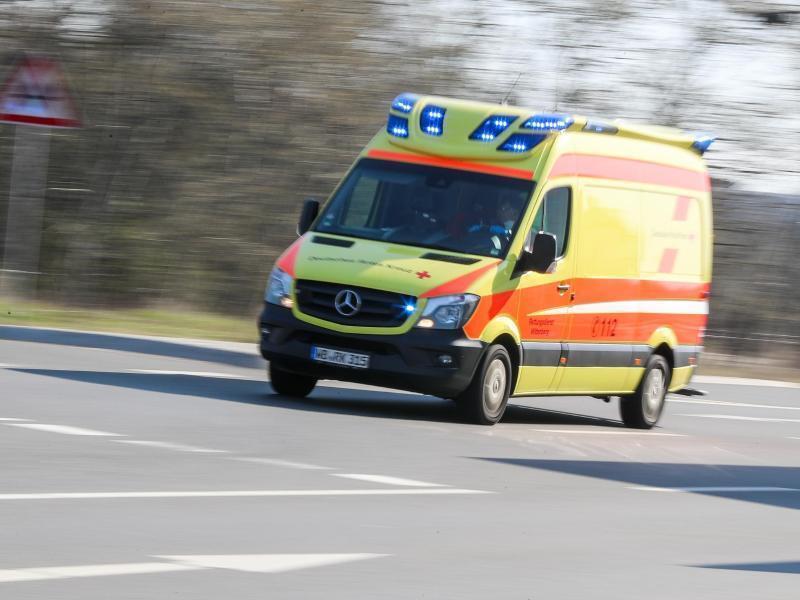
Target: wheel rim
654, 393
494, 386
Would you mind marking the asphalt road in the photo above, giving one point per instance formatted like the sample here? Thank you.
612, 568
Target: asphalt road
128, 475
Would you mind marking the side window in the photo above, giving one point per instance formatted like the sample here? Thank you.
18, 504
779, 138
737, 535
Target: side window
359, 206
553, 217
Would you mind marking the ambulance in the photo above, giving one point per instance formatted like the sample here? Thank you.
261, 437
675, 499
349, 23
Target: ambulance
481, 252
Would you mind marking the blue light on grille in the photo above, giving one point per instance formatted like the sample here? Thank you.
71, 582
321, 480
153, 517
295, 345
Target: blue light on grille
410, 308
521, 142
492, 127
548, 122
404, 103
431, 120
397, 126
702, 141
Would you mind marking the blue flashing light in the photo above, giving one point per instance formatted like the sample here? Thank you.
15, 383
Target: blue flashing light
397, 126
548, 122
702, 141
431, 120
410, 308
492, 127
522, 142
404, 103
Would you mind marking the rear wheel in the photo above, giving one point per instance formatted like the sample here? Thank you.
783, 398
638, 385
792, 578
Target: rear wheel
486, 398
287, 383
643, 409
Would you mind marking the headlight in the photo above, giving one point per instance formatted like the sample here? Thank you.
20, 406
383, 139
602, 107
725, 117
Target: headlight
279, 288
448, 312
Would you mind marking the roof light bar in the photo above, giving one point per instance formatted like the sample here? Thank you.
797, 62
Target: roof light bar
492, 127
404, 103
397, 126
431, 120
548, 122
521, 142
598, 127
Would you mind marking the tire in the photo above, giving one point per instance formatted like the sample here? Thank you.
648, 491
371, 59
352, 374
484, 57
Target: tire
643, 409
287, 383
486, 398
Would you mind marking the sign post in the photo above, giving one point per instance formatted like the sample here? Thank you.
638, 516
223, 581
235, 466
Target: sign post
34, 98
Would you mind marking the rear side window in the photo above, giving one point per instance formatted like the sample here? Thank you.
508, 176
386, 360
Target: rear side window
553, 217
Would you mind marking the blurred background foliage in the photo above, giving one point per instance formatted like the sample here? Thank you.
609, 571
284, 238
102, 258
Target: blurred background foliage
207, 122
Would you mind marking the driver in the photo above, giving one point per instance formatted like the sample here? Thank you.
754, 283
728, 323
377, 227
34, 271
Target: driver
500, 223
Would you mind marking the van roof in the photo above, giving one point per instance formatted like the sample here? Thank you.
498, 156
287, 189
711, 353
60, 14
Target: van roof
449, 126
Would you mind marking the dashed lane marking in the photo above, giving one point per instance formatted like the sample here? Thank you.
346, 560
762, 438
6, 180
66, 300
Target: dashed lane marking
277, 462
385, 480
711, 489
743, 381
740, 418
171, 446
250, 563
238, 494
736, 404
12, 419
208, 374
65, 429
599, 432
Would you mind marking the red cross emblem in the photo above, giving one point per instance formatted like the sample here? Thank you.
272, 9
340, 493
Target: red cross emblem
423, 274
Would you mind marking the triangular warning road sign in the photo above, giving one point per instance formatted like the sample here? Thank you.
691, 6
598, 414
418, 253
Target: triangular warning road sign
36, 94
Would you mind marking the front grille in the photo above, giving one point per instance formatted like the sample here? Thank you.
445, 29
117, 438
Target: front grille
378, 308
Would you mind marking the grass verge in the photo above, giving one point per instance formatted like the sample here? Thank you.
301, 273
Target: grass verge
170, 323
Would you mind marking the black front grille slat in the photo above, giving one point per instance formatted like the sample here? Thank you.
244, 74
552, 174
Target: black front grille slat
378, 308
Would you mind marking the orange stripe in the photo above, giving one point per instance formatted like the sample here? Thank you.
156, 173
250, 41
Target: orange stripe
626, 169
289, 257
681, 208
450, 163
459, 284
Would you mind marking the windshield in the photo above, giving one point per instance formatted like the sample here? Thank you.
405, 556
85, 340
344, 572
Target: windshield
419, 205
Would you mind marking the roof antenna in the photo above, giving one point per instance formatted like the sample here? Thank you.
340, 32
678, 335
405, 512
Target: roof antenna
505, 99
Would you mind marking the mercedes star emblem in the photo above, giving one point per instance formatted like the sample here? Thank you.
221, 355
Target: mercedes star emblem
347, 303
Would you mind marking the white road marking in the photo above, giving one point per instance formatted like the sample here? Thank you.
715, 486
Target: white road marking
277, 462
209, 374
724, 403
743, 381
791, 437
250, 563
237, 494
386, 480
40, 573
740, 418
733, 488
599, 432
65, 429
171, 446
12, 419
267, 563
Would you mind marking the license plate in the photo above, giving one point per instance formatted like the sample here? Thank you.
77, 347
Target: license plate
337, 357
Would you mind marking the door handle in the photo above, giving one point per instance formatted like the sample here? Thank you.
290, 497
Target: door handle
563, 287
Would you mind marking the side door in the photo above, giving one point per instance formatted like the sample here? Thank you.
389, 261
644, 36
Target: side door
545, 297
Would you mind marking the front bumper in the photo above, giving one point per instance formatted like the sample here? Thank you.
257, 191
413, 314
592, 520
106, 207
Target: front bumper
407, 361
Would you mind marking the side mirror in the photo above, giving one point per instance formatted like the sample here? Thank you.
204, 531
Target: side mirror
541, 254
307, 215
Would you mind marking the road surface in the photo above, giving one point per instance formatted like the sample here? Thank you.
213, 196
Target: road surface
130, 475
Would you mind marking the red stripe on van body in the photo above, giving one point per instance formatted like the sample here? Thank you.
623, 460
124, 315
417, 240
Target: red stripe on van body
289, 257
458, 285
667, 264
626, 169
681, 208
450, 163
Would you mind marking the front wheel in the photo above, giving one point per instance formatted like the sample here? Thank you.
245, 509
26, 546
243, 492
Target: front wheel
643, 409
287, 383
486, 398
